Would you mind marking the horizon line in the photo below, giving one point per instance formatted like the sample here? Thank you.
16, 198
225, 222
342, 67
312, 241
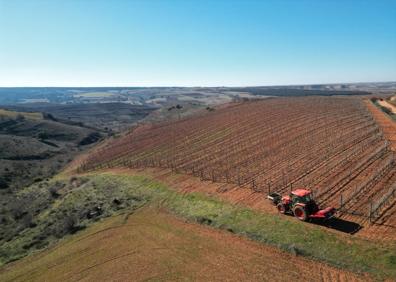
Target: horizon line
200, 86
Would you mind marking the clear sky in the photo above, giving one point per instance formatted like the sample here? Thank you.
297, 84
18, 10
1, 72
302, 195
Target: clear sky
195, 43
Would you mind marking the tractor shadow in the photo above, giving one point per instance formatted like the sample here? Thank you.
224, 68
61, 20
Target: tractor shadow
336, 223
339, 225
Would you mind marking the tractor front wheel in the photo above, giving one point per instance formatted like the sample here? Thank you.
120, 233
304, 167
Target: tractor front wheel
300, 213
281, 208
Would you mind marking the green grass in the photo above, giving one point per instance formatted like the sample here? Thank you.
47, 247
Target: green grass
299, 238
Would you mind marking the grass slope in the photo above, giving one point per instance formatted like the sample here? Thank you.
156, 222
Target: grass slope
114, 193
151, 244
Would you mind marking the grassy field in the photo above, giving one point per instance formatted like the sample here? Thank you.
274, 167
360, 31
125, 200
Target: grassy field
133, 192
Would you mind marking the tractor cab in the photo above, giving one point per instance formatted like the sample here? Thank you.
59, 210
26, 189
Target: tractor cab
301, 196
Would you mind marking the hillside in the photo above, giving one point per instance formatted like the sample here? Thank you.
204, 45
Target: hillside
152, 230
154, 245
109, 117
33, 147
333, 146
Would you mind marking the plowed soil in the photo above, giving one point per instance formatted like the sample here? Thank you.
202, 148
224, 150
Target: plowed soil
385, 227
153, 245
332, 146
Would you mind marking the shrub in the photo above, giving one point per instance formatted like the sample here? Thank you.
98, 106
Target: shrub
20, 117
91, 138
3, 183
54, 191
43, 135
71, 224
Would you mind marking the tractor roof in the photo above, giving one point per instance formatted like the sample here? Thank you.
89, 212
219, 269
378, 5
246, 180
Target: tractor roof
301, 192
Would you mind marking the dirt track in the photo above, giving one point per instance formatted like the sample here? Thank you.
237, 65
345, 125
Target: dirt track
388, 126
153, 245
388, 105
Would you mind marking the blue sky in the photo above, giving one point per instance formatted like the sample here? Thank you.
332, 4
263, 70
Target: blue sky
195, 43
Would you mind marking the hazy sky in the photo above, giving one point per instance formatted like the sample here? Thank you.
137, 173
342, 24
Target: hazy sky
195, 43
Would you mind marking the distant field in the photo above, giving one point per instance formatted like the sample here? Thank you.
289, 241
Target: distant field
12, 114
139, 95
94, 95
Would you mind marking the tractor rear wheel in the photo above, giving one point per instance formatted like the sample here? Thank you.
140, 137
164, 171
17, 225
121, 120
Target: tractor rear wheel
300, 213
281, 208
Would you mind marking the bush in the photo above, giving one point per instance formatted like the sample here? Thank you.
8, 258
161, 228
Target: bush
91, 138
43, 135
49, 116
72, 224
54, 191
3, 184
20, 117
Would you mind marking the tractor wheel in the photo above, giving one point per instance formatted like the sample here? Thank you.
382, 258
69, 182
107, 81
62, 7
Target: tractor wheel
281, 208
300, 213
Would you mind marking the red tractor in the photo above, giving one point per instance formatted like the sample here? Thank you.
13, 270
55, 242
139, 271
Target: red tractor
301, 204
